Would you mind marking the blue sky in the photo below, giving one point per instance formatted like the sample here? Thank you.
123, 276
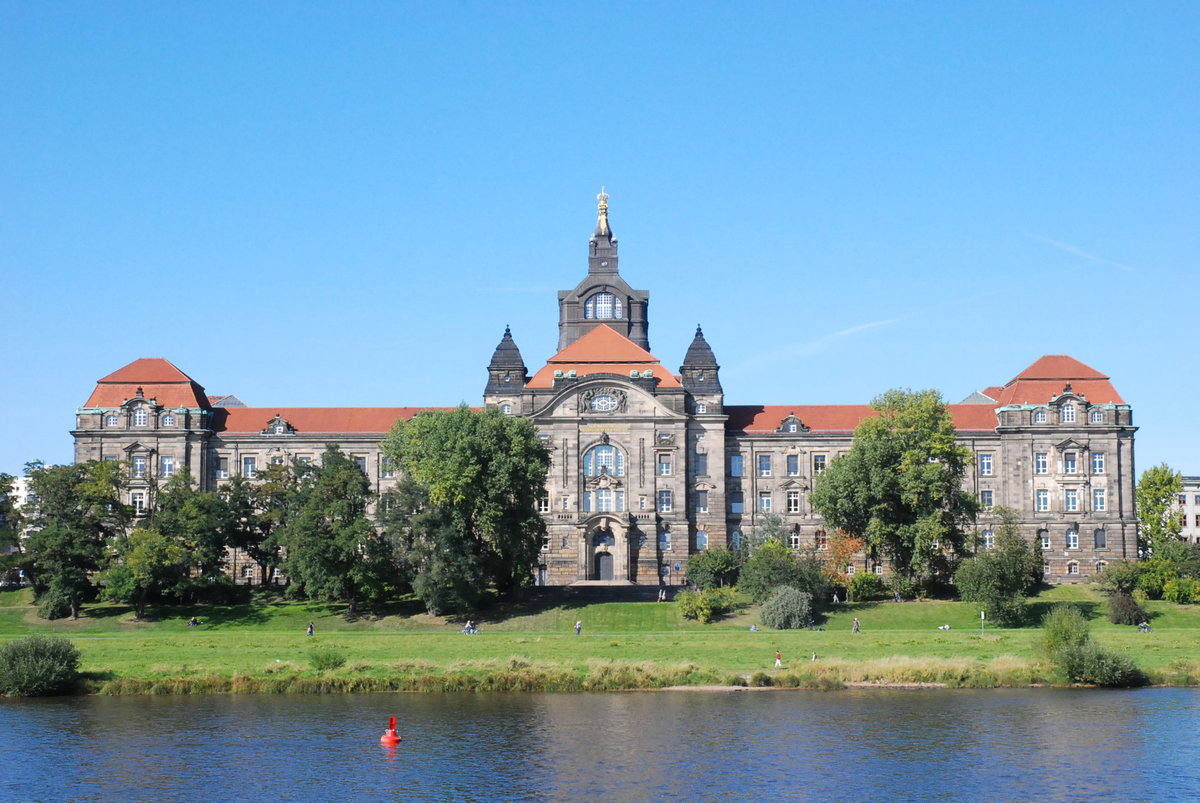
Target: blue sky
344, 204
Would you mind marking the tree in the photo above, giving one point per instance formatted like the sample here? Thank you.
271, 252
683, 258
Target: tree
78, 511
200, 521
900, 485
148, 565
484, 471
773, 565
787, 608
841, 551
333, 550
10, 528
1160, 520
713, 568
1001, 577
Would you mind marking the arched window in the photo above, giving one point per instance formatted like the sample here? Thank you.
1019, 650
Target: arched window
140, 417
168, 420
111, 420
1068, 417
701, 539
603, 459
1096, 416
506, 409
602, 306
1072, 568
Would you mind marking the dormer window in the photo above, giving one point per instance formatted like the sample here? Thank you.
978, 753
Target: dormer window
168, 420
111, 420
1096, 416
140, 417
1039, 416
1068, 414
602, 306
278, 429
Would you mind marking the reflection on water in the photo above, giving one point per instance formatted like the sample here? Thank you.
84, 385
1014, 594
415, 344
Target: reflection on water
851, 745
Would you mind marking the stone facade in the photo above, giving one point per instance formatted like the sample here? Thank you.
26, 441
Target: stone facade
651, 466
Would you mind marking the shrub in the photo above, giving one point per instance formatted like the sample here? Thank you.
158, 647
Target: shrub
714, 567
1090, 663
1124, 610
867, 586
37, 666
1119, 577
774, 565
706, 605
1181, 590
1063, 628
787, 608
326, 659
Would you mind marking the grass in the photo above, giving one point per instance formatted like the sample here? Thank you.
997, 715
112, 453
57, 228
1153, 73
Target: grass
263, 647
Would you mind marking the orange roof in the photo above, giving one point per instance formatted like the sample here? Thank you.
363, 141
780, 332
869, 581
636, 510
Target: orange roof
316, 420
1047, 378
158, 379
603, 350
842, 417
1059, 366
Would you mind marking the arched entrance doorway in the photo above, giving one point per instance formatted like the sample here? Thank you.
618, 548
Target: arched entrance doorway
603, 554
604, 566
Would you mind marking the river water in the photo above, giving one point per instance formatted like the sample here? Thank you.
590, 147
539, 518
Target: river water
1028, 744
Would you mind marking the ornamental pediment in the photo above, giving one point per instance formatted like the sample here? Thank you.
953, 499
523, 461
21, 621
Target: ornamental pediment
602, 481
791, 424
603, 400
1069, 444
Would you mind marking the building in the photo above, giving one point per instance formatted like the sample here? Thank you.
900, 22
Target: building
1189, 504
651, 466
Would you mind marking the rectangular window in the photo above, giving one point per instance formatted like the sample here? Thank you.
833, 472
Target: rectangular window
1044, 538
664, 465
793, 501
249, 467
1069, 463
641, 503
564, 503
702, 464
1098, 500
1100, 538
794, 540
166, 466
664, 502
137, 500
1041, 463
139, 466
604, 500
361, 462
222, 468
764, 465
985, 465
1042, 501
587, 501
736, 504
1068, 414
1182, 497
544, 504
1072, 539
764, 501
793, 465
1097, 462
821, 539
1071, 500
620, 501
387, 470
818, 463
701, 501
735, 465
985, 498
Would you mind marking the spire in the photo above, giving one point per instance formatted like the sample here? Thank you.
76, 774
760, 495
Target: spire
699, 354
506, 371
602, 229
700, 372
602, 247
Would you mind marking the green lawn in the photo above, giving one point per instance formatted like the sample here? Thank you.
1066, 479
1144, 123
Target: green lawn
899, 642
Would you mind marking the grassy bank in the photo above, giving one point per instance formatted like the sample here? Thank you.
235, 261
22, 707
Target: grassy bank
262, 647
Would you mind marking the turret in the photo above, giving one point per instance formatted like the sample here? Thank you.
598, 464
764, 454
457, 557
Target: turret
506, 372
700, 373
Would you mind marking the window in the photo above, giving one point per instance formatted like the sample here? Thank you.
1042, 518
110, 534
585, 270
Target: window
111, 420
1044, 539
1097, 462
1068, 414
307, 462
543, 504
1100, 538
821, 539
506, 409
387, 470
1096, 417
168, 420
137, 500
850, 569
764, 501
1182, 499
701, 501
1070, 463
701, 407
247, 571
985, 465
641, 503
1041, 463
1098, 500
1100, 565
278, 429
793, 501
277, 460
1042, 501
566, 541
1045, 568
140, 417
1072, 538
664, 465
792, 426
139, 466
602, 306
794, 540
735, 465
818, 463
603, 459
735, 539
1196, 499
701, 539
1071, 500
793, 465
878, 569
736, 504
664, 540
1039, 416
664, 502
249, 467
1072, 568
166, 466
985, 498
222, 468
989, 539
702, 464
361, 462
764, 465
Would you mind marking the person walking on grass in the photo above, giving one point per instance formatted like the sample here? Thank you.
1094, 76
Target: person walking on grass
578, 626
778, 659
310, 628
856, 626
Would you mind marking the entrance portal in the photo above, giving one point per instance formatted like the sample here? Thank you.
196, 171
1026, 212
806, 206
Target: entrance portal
604, 566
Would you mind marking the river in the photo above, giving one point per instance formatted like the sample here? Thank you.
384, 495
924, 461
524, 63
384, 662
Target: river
1026, 744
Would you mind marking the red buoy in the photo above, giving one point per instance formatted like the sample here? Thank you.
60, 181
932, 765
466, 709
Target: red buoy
390, 737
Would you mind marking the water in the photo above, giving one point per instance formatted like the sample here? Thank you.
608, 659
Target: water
1029, 744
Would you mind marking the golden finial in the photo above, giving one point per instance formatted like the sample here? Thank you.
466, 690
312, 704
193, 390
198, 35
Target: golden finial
602, 227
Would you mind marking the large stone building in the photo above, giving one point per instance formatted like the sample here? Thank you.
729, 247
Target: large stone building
649, 465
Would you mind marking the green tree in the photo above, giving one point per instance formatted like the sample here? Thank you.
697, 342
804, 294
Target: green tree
148, 565
900, 485
1160, 519
484, 472
333, 550
200, 521
10, 529
256, 512
78, 511
1000, 578
713, 568
773, 565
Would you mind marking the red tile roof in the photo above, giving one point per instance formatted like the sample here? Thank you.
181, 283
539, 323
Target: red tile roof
603, 350
148, 370
1059, 366
1047, 377
158, 379
316, 420
842, 417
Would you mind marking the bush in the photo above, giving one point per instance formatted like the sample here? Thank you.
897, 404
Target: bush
1124, 610
53, 605
867, 586
774, 565
1090, 663
714, 567
37, 666
787, 608
1063, 628
326, 659
706, 605
1119, 577
1181, 590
